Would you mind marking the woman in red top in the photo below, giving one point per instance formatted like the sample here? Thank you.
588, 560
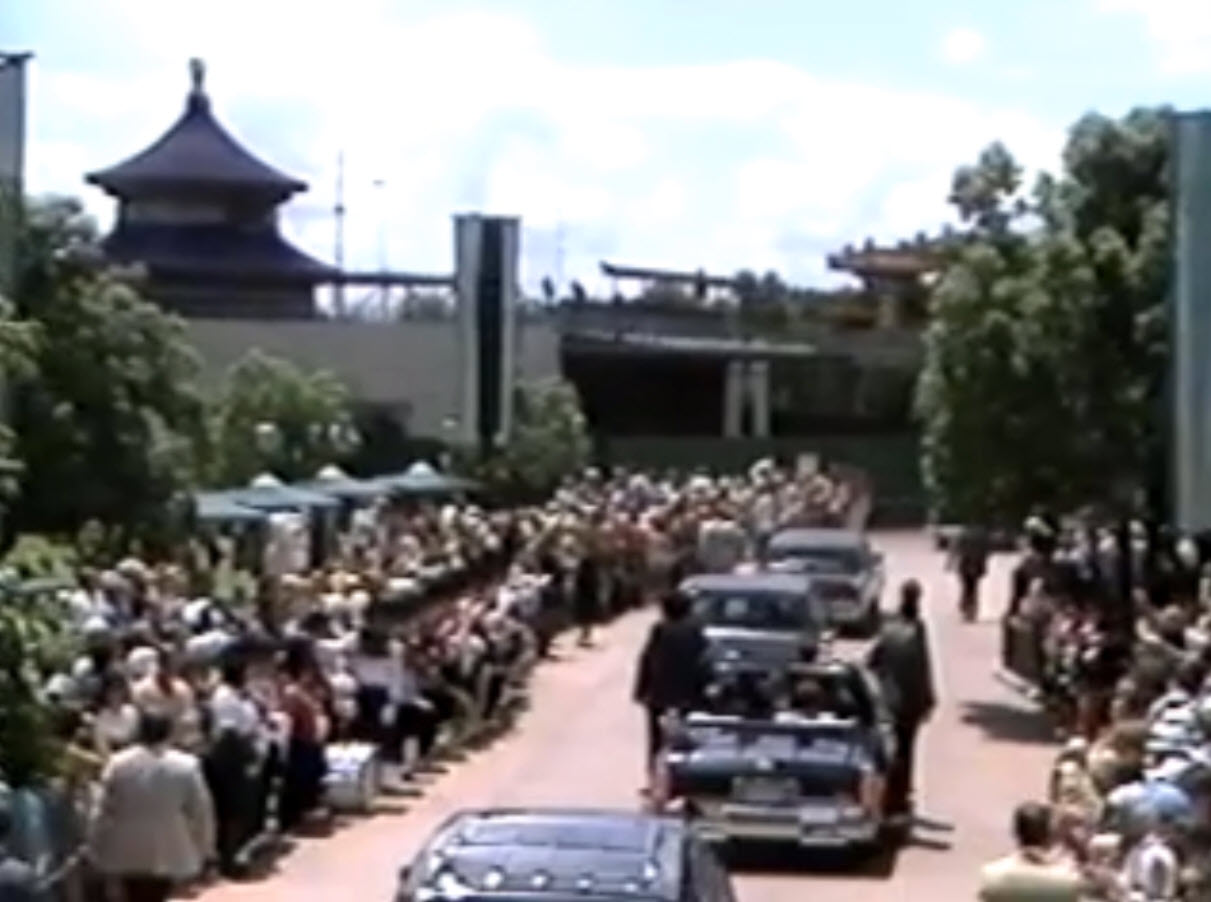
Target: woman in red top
305, 765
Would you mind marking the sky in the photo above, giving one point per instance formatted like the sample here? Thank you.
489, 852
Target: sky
685, 134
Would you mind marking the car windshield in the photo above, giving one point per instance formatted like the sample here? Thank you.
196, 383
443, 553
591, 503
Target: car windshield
753, 610
841, 561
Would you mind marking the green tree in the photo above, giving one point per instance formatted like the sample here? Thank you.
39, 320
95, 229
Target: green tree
272, 415
550, 441
1046, 347
107, 417
34, 640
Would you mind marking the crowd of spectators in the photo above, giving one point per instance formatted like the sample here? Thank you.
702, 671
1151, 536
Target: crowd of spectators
414, 637
1114, 626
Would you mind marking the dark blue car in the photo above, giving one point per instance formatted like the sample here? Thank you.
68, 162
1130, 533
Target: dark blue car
553, 855
815, 778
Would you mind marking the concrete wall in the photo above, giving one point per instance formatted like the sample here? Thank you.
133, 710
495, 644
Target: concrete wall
411, 365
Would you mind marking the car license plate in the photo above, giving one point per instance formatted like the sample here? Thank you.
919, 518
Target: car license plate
764, 790
817, 817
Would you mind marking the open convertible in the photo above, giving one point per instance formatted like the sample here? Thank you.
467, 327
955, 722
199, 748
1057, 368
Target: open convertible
808, 769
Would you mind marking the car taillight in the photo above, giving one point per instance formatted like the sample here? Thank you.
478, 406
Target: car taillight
870, 792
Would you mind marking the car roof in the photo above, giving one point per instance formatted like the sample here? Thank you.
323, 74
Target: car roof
747, 582
818, 538
614, 852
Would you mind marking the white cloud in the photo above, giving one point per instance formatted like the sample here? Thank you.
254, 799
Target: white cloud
1180, 30
961, 46
646, 164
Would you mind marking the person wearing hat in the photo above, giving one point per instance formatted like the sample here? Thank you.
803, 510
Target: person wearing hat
1153, 866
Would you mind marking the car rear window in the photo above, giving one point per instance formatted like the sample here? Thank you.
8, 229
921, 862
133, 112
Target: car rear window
846, 561
753, 610
564, 834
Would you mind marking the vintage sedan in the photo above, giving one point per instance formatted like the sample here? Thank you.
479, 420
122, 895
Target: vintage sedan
761, 622
815, 778
847, 573
560, 855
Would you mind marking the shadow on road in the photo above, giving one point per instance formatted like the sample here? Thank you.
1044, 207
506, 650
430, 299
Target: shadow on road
761, 858
1009, 723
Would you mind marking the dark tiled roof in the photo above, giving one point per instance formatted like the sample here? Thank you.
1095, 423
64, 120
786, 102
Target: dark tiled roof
196, 150
212, 249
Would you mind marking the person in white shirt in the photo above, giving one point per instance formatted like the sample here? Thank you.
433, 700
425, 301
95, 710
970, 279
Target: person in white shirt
722, 544
116, 722
382, 685
163, 692
231, 764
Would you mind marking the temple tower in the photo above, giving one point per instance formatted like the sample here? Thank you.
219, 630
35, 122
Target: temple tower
200, 212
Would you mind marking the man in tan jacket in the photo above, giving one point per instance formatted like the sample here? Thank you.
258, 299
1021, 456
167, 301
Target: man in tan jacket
153, 825
1038, 871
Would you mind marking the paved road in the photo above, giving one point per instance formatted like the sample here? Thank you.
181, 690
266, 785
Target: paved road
984, 751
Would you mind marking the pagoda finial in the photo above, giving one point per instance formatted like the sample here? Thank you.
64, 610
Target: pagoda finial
197, 75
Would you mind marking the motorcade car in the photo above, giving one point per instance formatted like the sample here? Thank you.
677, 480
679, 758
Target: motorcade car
552, 855
810, 770
756, 621
847, 574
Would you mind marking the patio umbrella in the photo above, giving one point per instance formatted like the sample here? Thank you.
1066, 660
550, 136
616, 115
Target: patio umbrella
336, 483
216, 507
268, 493
422, 479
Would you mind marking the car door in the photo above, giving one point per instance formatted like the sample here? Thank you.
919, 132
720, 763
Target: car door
884, 723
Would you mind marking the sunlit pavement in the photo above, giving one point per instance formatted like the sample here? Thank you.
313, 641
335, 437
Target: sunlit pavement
581, 744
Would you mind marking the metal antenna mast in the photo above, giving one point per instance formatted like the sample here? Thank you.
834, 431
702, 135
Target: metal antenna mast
338, 211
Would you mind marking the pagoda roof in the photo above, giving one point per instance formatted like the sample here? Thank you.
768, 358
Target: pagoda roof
914, 258
214, 250
195, 151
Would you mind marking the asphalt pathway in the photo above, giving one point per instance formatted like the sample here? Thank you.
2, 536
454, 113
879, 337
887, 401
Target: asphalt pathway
581, 744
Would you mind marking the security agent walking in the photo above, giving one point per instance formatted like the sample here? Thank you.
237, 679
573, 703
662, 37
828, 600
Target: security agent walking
970, 561
672, 672
901, 661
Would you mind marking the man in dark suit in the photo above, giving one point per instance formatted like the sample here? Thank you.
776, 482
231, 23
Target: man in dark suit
900, 659
971, 564
587, 594
672, 669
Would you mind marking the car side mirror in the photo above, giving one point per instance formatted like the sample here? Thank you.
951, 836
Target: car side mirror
405, 872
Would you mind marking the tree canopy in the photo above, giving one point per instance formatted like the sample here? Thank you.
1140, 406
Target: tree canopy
1045, 353
270, 414
550, 440
107, 413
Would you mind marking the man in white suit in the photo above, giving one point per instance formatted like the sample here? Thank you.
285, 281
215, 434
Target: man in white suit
153, 826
